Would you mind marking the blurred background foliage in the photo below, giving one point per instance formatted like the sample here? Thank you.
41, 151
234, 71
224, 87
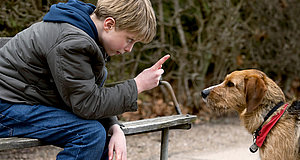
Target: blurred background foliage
206, 39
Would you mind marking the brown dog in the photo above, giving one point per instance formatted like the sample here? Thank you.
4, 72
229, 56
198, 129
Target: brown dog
260, 103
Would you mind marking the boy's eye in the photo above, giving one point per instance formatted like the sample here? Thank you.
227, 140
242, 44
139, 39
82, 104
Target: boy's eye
130, 40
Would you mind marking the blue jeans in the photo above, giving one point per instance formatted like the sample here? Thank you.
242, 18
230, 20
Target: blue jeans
80, 138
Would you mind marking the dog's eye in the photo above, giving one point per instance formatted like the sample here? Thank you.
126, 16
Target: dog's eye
229, 84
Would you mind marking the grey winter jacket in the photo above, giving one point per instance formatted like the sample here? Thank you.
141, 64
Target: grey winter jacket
57, 64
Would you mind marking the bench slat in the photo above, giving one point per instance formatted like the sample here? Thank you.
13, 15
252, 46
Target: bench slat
17, 143
153, 124
130, 128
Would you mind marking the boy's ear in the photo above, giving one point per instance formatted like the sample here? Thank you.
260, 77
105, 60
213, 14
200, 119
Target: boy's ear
109, 23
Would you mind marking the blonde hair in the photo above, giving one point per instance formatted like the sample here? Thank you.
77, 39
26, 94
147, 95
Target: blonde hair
133, 16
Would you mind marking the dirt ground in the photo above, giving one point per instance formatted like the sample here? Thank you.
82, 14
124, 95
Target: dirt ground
219, 139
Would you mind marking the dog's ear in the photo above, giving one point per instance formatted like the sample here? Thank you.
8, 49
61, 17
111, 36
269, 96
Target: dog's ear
255, 90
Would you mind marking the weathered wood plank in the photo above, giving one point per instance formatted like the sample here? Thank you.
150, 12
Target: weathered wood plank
154, 124
17, 143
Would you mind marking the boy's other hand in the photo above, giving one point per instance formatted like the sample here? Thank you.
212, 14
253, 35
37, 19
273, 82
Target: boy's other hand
149, 78
117, 143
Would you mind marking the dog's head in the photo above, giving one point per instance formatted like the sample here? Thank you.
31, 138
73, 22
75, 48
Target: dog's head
246, 89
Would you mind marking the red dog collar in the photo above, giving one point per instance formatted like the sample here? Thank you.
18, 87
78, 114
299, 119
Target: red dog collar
267, 127
261, 133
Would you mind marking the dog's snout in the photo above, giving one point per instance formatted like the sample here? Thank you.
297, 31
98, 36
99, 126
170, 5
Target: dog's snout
205, 93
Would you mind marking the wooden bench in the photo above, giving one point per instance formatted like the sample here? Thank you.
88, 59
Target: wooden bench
163, 124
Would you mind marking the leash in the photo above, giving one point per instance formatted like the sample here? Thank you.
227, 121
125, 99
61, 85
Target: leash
261, 133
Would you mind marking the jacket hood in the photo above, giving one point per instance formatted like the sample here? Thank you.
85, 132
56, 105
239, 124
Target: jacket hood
75, 13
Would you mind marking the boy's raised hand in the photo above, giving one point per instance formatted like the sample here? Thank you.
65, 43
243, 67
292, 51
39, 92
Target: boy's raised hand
149, 78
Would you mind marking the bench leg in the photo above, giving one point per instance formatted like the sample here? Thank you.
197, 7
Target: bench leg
164, 144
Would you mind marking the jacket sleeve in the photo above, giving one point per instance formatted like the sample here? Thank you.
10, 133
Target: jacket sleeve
71, 64
109, 121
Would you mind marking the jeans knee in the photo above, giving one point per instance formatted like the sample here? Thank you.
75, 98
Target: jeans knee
99, 131
89, 144
96, 134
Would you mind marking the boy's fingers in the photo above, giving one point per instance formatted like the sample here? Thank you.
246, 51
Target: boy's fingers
110, 152
159, 63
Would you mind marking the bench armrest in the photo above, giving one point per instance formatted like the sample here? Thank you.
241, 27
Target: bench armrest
158, 123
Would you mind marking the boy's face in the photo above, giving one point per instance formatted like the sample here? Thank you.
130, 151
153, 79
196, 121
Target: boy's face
117, 42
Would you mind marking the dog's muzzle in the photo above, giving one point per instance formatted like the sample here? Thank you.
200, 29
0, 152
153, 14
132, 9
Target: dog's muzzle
206, 91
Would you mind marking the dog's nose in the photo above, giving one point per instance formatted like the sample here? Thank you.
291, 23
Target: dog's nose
205, 93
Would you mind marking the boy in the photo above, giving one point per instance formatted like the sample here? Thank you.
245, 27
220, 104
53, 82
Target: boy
52, 76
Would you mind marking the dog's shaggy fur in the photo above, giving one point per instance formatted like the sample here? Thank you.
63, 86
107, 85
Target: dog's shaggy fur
252, 94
